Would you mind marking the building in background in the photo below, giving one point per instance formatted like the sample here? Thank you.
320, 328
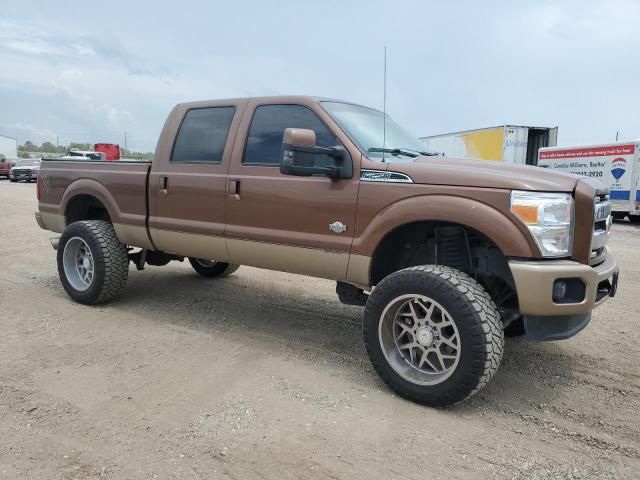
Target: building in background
506, 143
9, 147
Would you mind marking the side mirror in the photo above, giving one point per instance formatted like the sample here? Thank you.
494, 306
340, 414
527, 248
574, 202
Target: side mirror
299, 155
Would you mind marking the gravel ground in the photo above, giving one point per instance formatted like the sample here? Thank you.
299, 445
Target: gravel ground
263, 375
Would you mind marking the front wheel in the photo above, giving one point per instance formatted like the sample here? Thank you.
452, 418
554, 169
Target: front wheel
433, 334
93, 264
212, 268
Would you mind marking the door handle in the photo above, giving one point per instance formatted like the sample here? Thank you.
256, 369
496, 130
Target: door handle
164, 185
234, 189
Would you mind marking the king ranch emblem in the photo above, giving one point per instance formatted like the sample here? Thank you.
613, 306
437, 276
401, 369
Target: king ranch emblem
337, 227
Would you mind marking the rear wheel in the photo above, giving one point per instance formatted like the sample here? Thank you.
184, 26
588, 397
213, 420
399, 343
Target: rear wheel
212, 268
433, 334
93, 264
634, 218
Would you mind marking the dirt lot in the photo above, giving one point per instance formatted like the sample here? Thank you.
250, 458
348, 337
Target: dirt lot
263, 375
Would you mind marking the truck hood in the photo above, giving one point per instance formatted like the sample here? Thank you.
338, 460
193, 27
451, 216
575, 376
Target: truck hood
484, 173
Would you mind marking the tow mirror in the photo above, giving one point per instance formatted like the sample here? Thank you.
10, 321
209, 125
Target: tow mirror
299, 155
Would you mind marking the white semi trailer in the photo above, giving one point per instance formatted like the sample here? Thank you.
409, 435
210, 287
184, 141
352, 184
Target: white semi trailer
8, 147
506, 143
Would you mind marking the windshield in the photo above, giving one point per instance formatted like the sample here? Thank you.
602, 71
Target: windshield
366, 127
28, 163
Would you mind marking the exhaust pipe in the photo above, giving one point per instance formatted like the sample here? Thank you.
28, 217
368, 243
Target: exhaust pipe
54, 242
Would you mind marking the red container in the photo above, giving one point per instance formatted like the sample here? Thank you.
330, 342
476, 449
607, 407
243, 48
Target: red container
111, 150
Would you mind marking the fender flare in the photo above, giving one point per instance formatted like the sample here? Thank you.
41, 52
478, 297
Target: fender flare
510, 236
85, 186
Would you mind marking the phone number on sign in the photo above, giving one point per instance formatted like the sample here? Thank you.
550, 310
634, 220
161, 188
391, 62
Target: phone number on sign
588, 174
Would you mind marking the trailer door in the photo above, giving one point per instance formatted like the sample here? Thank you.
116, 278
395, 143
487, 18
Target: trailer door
537, 138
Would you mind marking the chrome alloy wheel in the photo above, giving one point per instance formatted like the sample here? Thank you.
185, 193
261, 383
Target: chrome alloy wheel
419, 339
79, 267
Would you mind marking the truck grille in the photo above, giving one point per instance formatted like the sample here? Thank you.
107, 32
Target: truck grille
18, 171
601, 225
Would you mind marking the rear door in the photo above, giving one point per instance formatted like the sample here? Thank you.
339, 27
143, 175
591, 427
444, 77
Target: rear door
187, 184
283, 222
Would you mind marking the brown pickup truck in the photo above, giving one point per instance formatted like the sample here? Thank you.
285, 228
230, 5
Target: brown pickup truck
446, 255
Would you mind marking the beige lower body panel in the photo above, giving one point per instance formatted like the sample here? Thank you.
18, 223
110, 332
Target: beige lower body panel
191, 244
534, 284
358, 271
51, 221
133, 235
286, 258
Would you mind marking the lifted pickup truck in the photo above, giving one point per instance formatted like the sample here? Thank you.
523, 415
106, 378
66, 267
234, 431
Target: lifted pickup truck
446, 255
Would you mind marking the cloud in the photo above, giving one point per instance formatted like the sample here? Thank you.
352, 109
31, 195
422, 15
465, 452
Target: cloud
33, 47
450, 67
38, 135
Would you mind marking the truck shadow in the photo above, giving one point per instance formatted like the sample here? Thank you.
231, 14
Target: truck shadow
313, 326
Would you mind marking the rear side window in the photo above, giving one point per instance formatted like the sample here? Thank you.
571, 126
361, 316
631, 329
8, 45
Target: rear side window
202, 135
267, 128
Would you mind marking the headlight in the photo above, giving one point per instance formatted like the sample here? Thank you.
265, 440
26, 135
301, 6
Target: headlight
549, 217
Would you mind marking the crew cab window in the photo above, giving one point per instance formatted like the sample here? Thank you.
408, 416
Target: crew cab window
202, 135
267, 128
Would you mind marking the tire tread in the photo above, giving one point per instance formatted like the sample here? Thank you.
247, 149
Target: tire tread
488, 330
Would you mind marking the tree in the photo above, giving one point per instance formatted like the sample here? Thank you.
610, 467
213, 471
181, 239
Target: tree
81, 146
48, 147
29, 146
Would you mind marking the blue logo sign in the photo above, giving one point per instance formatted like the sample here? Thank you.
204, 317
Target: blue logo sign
618, 167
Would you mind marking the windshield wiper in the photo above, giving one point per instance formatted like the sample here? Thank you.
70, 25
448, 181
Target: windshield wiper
407, 152
395, 151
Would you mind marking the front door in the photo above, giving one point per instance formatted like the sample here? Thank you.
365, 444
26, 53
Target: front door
187, 185
283, 222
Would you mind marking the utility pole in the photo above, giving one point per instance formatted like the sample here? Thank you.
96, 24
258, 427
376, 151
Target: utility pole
125, 142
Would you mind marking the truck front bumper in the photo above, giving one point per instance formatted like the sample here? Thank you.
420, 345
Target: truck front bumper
556, 297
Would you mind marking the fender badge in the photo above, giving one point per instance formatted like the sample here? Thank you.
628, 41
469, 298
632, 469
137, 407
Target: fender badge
337, 227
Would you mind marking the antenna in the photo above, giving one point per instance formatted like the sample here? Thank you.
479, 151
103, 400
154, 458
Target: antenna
384, 105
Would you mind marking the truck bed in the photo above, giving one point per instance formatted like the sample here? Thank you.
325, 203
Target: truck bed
121, 187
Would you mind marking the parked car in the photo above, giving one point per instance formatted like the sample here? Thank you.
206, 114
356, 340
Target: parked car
445, 255
25, 169
6, 165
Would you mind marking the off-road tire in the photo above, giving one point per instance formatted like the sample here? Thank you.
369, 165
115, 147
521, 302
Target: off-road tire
475, 315
111, 261
217, 269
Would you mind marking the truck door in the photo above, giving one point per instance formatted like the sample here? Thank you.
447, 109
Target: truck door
283, 222
187, 184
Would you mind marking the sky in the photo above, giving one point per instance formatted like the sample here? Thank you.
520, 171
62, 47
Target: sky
90, 71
